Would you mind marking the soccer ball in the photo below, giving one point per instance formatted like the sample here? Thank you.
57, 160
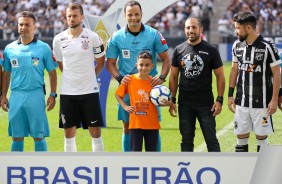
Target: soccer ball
158, 93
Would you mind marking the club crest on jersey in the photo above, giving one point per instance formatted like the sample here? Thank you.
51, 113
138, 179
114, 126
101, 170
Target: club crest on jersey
249, 67
192, 64
14, 63
259, 56
85, 44
35, 61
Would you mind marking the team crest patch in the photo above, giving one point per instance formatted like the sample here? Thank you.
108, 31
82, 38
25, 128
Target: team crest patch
14, 63
125, 53
259, 56
35, 61
85, 44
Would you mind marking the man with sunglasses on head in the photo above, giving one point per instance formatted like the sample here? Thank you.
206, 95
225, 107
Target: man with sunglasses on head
256, 74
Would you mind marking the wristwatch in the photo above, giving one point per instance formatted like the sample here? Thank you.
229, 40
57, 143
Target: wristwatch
53, 95
162, 77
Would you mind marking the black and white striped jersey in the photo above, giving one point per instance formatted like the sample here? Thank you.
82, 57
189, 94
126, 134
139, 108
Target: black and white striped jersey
254, 80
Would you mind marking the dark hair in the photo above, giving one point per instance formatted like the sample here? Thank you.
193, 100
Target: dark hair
245, 18
196, 18
145, 54
28, 14
76, 6
130, 4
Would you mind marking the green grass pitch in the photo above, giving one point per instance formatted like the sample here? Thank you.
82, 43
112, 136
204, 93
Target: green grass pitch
170, 135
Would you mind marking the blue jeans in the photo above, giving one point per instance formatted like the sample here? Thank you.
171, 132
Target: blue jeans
187, 126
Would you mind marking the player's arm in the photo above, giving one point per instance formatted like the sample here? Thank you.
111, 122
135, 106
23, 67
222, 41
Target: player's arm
99, 65
272, 106
220, 83
6, 76
127, 108
232, 84
280, 90
173, 86
157, 80
51, 101
60, 64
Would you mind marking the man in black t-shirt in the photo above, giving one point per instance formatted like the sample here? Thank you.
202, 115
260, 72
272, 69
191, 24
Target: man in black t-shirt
195, 60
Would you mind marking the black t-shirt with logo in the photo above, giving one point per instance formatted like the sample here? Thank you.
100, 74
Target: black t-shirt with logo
196, 64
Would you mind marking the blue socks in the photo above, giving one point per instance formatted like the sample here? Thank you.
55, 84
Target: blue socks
17, 145
125, 142
40, 145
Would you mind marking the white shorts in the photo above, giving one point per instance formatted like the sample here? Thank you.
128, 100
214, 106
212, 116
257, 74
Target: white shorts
256, 119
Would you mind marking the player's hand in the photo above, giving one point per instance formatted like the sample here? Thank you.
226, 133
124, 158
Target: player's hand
125, 80
4, 103
129, 109
216, 108
280, 102
231, 104
156, 81
272, 106
173, 110
51, 102
165, 102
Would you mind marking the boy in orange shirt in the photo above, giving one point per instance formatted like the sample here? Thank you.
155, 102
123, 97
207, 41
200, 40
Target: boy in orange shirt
143, 119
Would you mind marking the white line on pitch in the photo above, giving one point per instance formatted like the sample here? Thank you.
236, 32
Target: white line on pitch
202, 147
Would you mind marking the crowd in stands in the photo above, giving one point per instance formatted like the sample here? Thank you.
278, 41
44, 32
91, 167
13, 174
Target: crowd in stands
268, 13
170, 21
51, 15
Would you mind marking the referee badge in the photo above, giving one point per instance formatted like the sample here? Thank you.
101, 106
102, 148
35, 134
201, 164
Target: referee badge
35, 61
126, 53
14, 63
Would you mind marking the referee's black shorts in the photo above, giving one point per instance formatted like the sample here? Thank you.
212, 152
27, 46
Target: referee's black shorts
80, 111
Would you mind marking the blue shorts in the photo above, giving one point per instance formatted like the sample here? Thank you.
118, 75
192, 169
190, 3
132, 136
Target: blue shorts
27, 114
124, 115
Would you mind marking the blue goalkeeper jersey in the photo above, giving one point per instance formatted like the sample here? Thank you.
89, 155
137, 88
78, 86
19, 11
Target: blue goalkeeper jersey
126, 47
27, 63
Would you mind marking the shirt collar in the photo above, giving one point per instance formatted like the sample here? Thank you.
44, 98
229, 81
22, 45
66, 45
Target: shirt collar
34, 40
141, 29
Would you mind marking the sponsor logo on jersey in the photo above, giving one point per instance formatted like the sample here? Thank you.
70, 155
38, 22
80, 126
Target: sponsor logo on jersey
249, 67
85, 44
192, 64
14, 63
203, 52
82, 36
64, 38
126, 53
259, 50
141, 113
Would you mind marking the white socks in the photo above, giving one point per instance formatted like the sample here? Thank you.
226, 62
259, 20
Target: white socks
97, 144
242, 141
70, 145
